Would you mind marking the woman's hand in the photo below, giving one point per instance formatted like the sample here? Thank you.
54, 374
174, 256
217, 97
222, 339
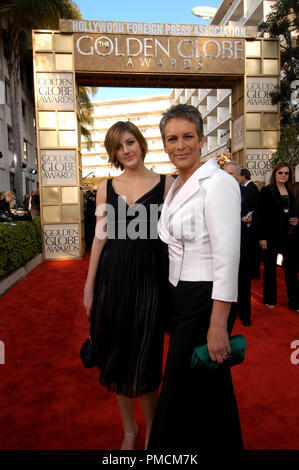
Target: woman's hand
87, 301
247, 220
217, 337
218, 343
293, 221
263, 244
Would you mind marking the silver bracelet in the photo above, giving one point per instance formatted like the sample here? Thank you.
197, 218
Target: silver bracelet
88, 290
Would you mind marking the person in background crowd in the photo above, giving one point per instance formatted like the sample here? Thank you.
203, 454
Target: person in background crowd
278, 219
26, 200
90, 218
233, 169
6, 201
296, 194
200, 222
258, 184
250, 201
296, 230
34, 203
6, 214
245, 181
126, 279
243, 305
5, 209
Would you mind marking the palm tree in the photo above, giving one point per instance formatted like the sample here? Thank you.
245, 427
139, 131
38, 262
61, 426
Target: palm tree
86, 108
21, 17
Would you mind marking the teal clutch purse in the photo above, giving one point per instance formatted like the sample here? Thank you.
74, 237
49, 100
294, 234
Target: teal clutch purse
201, 357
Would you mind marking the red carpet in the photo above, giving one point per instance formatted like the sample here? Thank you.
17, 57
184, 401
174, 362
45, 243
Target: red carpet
50, 401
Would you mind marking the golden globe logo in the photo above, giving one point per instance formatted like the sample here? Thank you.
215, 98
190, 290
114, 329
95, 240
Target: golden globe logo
60, 240
152, 47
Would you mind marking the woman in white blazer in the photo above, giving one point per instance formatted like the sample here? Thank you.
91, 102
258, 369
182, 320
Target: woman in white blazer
200, 222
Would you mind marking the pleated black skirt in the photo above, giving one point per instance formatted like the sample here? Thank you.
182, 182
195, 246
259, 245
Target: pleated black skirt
126, 321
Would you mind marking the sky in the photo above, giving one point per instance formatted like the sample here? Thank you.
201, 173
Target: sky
150, 11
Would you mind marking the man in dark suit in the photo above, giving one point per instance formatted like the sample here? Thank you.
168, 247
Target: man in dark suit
251, 196
249, 203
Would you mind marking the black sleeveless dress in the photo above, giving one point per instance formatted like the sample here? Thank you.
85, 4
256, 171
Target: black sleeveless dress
126, 318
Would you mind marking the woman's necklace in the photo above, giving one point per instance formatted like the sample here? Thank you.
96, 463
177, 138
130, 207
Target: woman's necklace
283, 190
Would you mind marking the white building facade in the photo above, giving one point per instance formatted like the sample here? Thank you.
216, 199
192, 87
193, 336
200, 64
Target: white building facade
27, 129
215, 108
145, 112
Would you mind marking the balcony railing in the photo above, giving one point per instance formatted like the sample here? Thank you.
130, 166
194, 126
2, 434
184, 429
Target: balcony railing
230, 11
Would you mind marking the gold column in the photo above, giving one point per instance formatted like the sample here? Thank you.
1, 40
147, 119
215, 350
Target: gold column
261, 123
237, 140
58, 142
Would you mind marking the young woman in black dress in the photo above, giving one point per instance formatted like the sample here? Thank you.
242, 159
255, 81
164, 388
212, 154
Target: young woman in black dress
126, 276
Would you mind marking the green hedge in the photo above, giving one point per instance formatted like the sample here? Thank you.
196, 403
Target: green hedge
18, 244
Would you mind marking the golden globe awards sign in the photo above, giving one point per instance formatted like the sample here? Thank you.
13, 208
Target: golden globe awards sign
238, 127
258, 92
55, 90
61, 241
258, 163
158, 48
159, 54
58, 167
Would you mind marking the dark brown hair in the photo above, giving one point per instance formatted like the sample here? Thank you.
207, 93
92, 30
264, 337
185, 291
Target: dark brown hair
277, 167
113, 137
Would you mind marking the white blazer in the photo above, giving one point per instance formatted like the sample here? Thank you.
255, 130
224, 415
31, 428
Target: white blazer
201, 224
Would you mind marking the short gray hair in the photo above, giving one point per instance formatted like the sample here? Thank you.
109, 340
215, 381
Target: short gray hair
182, 111
236, 164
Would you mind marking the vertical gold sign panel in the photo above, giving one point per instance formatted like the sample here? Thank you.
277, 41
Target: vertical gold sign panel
262, 117
238, 124
238, 133
58, 167
56, 119
62, 241
258, 93
258, 163
55, 90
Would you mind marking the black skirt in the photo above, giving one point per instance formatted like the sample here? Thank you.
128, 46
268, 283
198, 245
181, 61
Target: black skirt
197, 408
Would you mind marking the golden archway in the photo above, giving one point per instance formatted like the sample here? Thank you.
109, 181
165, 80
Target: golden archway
101, 53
